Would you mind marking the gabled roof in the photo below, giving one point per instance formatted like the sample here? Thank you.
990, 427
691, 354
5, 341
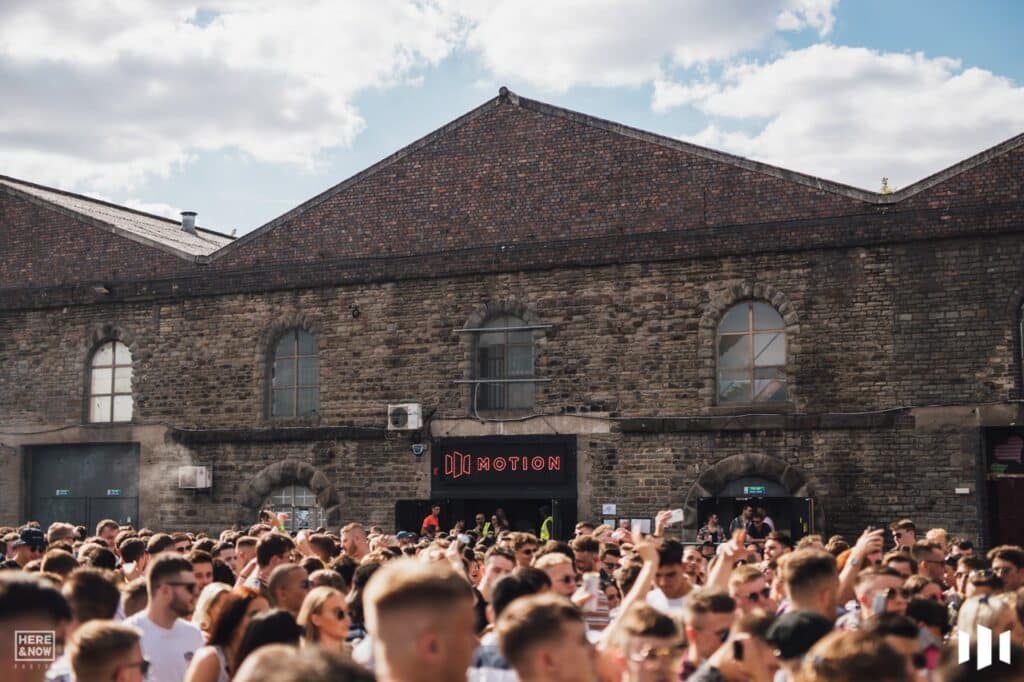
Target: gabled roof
142, 227
505, 96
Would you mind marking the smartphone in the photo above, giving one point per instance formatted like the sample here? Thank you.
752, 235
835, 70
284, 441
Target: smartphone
463, 539
675, 517
878, 603
592, 585
737, 649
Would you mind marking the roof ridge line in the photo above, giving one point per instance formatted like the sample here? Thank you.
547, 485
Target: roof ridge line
766, 168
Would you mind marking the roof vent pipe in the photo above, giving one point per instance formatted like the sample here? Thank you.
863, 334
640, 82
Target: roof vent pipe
188, 221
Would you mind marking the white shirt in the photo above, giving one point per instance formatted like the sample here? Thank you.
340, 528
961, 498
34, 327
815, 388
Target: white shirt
169, 651
670, 607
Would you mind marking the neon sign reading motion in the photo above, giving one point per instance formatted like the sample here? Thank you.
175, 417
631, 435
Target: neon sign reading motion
461, 462
457, 464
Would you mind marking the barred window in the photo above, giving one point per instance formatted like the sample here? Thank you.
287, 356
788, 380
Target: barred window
504, 352
110, 383
295, 376
752, 355
298, 503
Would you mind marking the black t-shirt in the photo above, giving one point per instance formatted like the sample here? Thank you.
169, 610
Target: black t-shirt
481, 611
755, 533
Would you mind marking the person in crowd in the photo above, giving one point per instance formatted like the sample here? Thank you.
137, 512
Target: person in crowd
961, 547
431, 522
202, 568
711, 531
159, 543
92, 594
707, 617
933, 625
168, 641
560, 570
58, 561
812, 541
134, 559
498, 562
283, 663
328, 577
900, 633
28, 602
245, 551
544, 639
901, 562
750, 590
951, 669
904, 533
216, 661
1007, 562
524, 545
354, 542
930, 560
207, 605
879, 590
920, 586
59, 531
182, 543
354, 600
996, 613
134, 597
30, 545
745, 656
792, 635
646, 645
107, 530
586, 551
610, 558
109, 651
268, 627
742, 521
272, 550
672, 582
226, 552
940, 537
422, 622
694, 565
324, 619
758, 530
489, 665
810, 581
776, 544
287, 587
853, 657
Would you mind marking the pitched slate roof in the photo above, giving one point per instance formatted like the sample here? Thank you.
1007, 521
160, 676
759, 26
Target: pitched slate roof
143, 227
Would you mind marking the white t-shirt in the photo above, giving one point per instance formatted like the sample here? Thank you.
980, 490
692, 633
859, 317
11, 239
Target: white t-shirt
169, 650
670, 607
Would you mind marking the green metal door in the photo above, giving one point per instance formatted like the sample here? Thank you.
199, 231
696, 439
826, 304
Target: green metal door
84, 484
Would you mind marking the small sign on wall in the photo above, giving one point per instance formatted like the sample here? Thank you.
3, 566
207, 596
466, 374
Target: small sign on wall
113, 492
608, 509
63, 492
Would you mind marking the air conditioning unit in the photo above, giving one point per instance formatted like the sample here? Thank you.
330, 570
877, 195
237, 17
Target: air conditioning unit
405, 417
195, 478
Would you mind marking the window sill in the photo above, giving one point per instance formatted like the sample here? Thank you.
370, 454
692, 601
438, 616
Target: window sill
292, 421
781, 407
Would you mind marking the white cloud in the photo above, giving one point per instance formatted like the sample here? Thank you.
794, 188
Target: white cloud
853, 114
105, 93
607, 43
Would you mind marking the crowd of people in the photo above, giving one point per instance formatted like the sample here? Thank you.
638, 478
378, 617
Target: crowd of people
262, 604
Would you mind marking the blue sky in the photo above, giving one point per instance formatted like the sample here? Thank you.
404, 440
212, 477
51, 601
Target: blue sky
241, 110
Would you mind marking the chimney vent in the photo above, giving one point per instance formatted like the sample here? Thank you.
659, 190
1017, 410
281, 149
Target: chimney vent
188, 221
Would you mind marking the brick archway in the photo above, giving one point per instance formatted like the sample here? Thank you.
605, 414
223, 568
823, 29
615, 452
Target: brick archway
289, 472
715, 478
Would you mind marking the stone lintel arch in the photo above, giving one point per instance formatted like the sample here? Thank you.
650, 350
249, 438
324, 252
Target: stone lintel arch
721, 300
289, 472
716, 477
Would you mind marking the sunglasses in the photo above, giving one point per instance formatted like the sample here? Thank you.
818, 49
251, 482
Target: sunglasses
529, 551
142, 665
567, 579
1004, 570
722, 634
191, 587
756, 596
611, 567
305, 584
984, 574
339, 614
651, 654
894, 592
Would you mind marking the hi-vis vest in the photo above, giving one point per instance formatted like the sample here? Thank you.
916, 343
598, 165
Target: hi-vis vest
545, 528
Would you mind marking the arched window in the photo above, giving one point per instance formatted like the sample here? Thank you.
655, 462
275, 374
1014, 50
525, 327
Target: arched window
752, 354
504, 352
110, 383
295, 376
299, 504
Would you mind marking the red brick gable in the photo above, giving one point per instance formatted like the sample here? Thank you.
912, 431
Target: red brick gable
521, 172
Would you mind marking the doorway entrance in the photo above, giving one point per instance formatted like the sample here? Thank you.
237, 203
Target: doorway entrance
524, 514
792, 515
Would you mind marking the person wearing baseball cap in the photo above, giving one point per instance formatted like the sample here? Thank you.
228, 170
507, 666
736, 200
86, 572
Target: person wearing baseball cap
793, 634
30, 545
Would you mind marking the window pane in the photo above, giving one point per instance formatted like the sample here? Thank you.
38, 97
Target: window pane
489, 339
307, 344
736, 320
770, 349
283, 403
282, 497
123, 380
309, 371
99, 410
304, 497
101, 378
491, 363
734, 351
284, 373
286, 346
122, 408
520, 361
770, 384
766, 317
520, 396
122, 356
104, 355
308, 399
734, 386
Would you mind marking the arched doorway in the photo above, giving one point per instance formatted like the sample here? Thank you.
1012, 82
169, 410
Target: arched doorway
296, 486
298, 506
782, 490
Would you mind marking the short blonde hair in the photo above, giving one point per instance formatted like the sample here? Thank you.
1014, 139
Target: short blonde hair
314, 604
96, 646
551, 560
405, 584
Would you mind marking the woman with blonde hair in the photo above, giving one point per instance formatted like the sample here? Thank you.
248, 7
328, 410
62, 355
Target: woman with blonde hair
324, 618
995, 613
207, 605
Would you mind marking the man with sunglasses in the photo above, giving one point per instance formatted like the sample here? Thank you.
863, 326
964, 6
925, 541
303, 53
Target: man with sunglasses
749, 588
168, 641
288, 587
104, 650
30, 545
879, 590
525, 547
904, 533
707, 615
931, 560
1008, 563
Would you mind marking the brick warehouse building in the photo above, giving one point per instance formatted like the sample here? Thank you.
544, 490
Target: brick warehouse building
586, 315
